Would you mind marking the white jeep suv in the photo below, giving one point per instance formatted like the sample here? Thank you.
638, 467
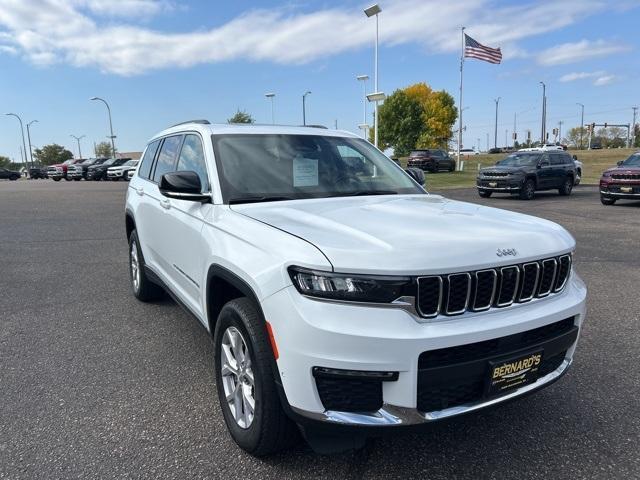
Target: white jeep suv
340, 295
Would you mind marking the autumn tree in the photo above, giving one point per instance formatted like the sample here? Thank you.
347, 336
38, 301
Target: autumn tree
400, 123
241, 117
437, 115
52, 154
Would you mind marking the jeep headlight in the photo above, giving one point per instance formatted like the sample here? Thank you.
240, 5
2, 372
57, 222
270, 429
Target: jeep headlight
347, 287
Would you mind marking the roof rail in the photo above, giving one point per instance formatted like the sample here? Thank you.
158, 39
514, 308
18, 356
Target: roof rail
201, 121
314, 126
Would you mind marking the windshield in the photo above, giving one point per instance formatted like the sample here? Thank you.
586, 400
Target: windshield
69, 162
520, 160
109, 162
281, 167
88, 162
632, 161
130, 163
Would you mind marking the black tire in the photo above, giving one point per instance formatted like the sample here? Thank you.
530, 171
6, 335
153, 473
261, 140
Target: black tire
452, 168
145, 290
484, 193
567, 186
528, 190
607, 200
56, 179
270, 430
14, 178
67, 179
76, 179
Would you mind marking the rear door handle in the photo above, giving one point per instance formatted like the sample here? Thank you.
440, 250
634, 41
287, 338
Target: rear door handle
140, 191
165, 204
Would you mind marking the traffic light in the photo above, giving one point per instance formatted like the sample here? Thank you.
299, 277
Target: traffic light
593, 127
605, 124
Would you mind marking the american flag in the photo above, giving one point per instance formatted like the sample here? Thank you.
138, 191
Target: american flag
473, 49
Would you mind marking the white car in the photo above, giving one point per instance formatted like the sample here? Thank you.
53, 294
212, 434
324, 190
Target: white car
120, 172
342, 297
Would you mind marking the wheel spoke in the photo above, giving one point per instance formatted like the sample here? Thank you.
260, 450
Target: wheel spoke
237, 376
229, 360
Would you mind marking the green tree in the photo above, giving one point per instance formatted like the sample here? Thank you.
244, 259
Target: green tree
572, 138
241, 117
5, 162
52, 154
103, 149
400, 123
636, 135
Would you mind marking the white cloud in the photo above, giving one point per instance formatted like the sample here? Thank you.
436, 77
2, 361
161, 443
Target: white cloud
579, 51
604, 80
76, 33
573, 76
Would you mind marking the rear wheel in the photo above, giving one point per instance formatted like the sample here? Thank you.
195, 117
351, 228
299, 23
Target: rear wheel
143, 288
607, 200
15, 177
245, 382
56, 179
484, 193
566, 187
528, 190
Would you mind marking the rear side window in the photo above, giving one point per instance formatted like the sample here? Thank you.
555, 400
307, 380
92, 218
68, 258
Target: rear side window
556, 159
147, 160
192, 158
167, 157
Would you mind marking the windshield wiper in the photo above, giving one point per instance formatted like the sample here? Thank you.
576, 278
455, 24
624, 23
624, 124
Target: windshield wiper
257, 199
368, 192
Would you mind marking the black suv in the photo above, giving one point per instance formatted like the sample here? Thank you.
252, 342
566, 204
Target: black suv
524, 173
431, 160
99, 172
9, 174
37, 172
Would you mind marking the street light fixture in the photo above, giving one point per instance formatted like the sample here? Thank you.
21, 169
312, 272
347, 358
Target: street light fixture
495, 131
543, 136
24, 145
374, 10
581, 122
304, 107
364, 126
29, 139
78, 140
112, 137
271, 96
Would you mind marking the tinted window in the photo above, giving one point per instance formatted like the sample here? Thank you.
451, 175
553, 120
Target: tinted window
556, 159
167, 157
147, 159
192, 158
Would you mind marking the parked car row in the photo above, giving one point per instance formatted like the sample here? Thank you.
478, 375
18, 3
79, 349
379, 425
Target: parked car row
89, 169
528, 171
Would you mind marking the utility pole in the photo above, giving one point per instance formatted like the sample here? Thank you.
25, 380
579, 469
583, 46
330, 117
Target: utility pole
633, 125
544, 114
581, 122
506, 138
78, 140
487, 142
560, 131
24, 144
495, 130
29, 139
112, 137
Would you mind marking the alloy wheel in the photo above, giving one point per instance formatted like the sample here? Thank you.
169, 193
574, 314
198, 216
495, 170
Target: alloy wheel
135, 266
237, 377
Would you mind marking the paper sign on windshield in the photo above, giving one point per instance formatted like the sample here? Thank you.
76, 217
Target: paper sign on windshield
305, 172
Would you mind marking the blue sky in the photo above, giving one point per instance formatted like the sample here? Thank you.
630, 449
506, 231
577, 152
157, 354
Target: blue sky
161, 62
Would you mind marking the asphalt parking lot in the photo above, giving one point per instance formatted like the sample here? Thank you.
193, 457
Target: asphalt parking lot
94, 384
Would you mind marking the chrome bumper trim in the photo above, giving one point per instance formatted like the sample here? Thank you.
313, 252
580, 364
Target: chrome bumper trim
392, 415
499, 189
603, 192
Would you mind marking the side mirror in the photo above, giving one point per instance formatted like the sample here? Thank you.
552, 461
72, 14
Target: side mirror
183, 185
619, 163
416, 174
575, 157
543, 164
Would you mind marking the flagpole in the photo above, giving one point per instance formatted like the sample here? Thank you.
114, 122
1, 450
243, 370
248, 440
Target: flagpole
460, 100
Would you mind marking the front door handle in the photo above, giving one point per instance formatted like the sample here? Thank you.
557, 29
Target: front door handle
165, 204
140, 191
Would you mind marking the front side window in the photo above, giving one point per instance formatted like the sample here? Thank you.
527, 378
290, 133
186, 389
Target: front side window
167, 157
192, 159
272, 166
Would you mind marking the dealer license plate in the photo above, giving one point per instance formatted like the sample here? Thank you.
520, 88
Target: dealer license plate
493, 184
626, 189
512, 373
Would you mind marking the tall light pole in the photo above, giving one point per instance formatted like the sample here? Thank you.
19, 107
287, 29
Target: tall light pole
112, 137
633, 125
543, 132
495, 130
581, 122
271, 96
487, 142
24, 145
78, 140
372, 11
29, 139
304, 107
364, 126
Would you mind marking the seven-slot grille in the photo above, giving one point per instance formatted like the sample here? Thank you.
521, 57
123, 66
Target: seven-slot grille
626, 176
495, 174
456, 293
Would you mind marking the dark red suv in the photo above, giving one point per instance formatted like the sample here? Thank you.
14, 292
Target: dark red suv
621, 182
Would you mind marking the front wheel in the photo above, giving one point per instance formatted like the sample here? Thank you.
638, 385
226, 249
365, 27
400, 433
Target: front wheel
566, 187
56, 179
143, 288
484, 193
14, 178
528, 190
245, 382
607, 200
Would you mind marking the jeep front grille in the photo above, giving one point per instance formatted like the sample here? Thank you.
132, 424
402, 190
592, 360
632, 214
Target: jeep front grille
626, 176
456, 293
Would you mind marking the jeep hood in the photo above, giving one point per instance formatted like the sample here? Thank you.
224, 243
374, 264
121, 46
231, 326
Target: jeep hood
411, 234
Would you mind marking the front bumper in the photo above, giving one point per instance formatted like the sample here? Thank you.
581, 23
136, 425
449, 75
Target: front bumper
502, 184
311, 333
117, 174
629, 190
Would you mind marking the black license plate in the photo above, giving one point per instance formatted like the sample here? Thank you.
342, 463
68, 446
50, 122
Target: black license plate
511, 373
